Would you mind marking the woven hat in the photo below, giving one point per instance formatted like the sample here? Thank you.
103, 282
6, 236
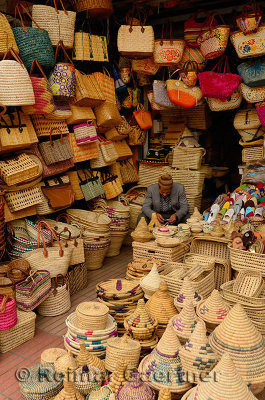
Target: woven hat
118, 378
161, 305
135, 390
213, 310
140, 324
150, 283
184, 323
238, 336
164, 361
223, 383
187, 293
85, 357
165, 182
69, 392
197, 357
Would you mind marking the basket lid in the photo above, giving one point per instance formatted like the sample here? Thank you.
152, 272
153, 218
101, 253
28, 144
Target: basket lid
65, 363
140, 317
124, 343
33, 385
187, 293
92, 308
184, 322
214, 309
118, 288
52, 354
151, 280
135, 390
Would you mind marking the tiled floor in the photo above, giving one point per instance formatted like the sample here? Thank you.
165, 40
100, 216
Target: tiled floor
50, 330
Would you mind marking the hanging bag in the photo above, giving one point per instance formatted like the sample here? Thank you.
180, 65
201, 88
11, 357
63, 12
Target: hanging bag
221, 84
44, 103
143, 117
59, 193
213, 42
82, 153
85, 133
189, 73
60, 24
230, 103
15, 84
168, 51
146, 66
250, 18
182, 95
58, 302
160, 95
251, 45
55, 150
88, 91
106, 83
94, 8
33, 42
128, 172
108, 150
91, 186
7, 39
260, 107
252, 94
107, 115
17, 169
62, 78
193, 54
77, 244
253, 72
80, 114
54, 259
193, 28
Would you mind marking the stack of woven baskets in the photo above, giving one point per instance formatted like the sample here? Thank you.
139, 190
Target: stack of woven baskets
125, 349
141, 267
95, 230
121, 296
92, 323
119, 226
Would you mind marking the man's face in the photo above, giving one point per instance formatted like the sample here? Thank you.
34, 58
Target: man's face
164, 192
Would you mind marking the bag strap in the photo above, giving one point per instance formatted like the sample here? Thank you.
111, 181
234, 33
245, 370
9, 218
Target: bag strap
55, 6
63, 215
45, 251
61, 134
11, 52
35, 63
106, 71
18, 10
3, 304
251, 8
55, 283
190, 66
60, 46
223, 62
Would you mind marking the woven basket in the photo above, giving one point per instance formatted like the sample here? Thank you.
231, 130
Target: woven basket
213, 247
213, 310
150, 172
8, 312
45, 127
145, 250
107, 115
44, 102
192, 180
122, 349
22, 332
139, 323
17, 201
95, 8
88, 92
6, 35
89, 47
77, 277
253, 153
18, 169
228, 294
80, 114
187, 158
243, 260
113, 134
213, 42
49, 356
95, 254
58, 302
256, 46
91, 315
194, 201
136, 41
122, 149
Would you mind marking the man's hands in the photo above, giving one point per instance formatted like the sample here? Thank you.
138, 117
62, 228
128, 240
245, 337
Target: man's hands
160, 218
172, 220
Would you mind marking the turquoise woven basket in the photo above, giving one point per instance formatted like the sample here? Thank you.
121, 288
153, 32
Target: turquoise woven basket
34, 44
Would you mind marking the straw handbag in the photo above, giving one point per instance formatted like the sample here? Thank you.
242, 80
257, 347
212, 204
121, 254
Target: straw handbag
82, 153
99, 161
252, 45
44, 103
58, 302
146, 66
124, 127
107, 115
74, 180
91, 186
108, 150
23, 199
160, 94
168, 51
252, 94
8, 312
16, 131
182, 95
61, 110
122, 149
136, 41
33, 290
14, 170
253, 72
106, 83
231, 103
15, 84
7, 38
213, 42
137, 136
80, 114
62, 78
129, 173
250, 18
112, 187
247, 119
89, 47
55, 150
54, 259
88, 91
95, 8
59, 193
260, 107
113, 134
60, 24
85, 133
143, 117
46, 127
193, 54
33, 42
193, 28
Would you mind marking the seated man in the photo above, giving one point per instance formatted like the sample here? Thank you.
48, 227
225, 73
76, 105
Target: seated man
167, 200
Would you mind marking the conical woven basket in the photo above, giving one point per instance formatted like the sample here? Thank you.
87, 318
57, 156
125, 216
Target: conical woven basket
140, 324
118, 377
185, 322
150, 283
141, 232
187, 293
213, 310
238, 336
136, 390
86, 358
69, 391
223, 383
122, 348
117, 289
197, 357
87, 379
165, 358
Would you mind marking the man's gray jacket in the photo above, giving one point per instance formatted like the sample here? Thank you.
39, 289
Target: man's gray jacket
178, 201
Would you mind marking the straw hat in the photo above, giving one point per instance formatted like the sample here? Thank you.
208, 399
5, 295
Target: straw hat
86, 358
187, 293
237, 335
197, 357
164, 394
213, 310
223, 383
185, 322
118, 379
165, 358
135, 390
140, 324
150, 283
49, 356
141, 232
66, 363
69, 392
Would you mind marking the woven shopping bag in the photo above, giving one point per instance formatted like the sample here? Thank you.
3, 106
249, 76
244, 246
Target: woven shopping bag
58, 302
89, 47
160, 94
16, 131
80, 114
129, 172
88, 91
146, 66
107, 115
59, 192
44, 103
253, 72
61, 110
137, 136
193, 28
252, 94
48, 126
168, 51
8, 312
56, 260
112, 134
85, 133
122, 149
62, 78
106, 83
23, 199
108, 150
7, 39
124, 127
91, 186
33, 290
77, 244
74, 180
193, 54
182, 95
14, 170
231, 103
250, 18
55, 150
15, 84
143, 117
60, 24
112, 187
33, 42
251, 45
94, 8
82, 153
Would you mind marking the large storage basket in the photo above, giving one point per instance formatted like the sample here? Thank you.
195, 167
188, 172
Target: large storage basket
150, 172
194, 201
253, 153
164, 254
192, 180
77, 277
242, 260
187, 158
210, 246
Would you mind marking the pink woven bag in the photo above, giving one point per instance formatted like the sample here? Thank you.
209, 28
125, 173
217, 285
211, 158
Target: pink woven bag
260, 107
8, 312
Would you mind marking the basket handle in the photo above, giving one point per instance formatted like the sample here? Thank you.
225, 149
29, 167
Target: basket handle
45, 251
251, 8
3, 304
55, 6
37, 64
15, 56
56, 129
55, 283
9, 271
63, 215
17, 9
106, 71
60, 46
